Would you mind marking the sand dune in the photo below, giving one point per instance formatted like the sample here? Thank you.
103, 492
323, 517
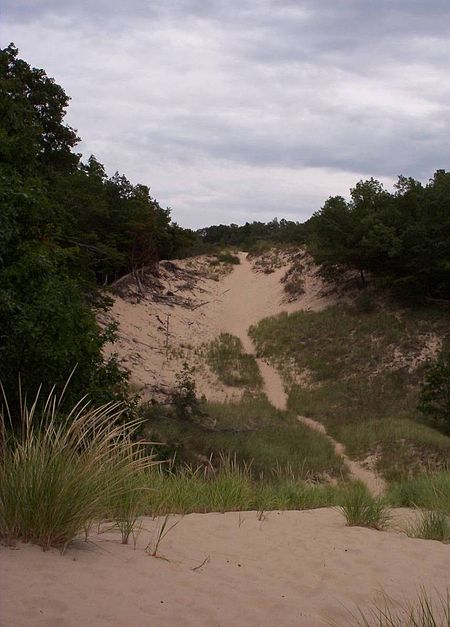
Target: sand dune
289, 569
204, 307
293, 568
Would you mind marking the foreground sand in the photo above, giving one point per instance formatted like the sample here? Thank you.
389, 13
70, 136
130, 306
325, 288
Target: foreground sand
293, 568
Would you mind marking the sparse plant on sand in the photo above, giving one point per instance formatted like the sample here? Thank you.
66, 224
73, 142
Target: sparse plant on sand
59, 472
161, 532
425, 612
231, 364
433, 525
361, 509
129, 505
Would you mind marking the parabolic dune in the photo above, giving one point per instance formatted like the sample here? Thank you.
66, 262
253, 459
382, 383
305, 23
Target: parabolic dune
301, 568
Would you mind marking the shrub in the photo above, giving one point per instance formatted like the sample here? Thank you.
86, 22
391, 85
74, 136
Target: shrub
184, 398
227, 257
435, 396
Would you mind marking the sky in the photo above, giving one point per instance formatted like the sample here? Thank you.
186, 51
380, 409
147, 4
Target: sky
241, 110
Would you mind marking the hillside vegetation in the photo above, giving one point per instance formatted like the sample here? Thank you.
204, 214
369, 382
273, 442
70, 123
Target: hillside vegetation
360, 372
364, 348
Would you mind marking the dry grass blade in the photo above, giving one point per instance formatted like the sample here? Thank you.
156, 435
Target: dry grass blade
161, 533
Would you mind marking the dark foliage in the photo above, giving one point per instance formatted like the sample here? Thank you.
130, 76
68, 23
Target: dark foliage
248, 235
435, 397
402, 239
66, 228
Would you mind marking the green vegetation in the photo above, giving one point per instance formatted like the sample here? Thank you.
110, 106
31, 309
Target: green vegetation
227, 257
433, 525
59, 473
66, 230
435, 396
253, 235
270, 442
362, 379
233, 367
361, 509
428, 491
232, 488
402, 447
427, 611
389, 235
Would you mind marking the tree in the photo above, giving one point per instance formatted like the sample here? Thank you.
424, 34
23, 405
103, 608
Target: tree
47, 326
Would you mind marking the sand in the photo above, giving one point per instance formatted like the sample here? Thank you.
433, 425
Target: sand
292, 568
202, 311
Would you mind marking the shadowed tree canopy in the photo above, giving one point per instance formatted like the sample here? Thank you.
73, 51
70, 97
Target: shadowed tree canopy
65, 228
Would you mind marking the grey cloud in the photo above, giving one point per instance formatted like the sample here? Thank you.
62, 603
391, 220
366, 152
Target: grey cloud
302, 97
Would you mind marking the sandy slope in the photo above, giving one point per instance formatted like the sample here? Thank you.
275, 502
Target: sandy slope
203, 310
291, 569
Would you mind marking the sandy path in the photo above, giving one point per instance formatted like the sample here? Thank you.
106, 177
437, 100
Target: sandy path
249, 297
294, 568
373, 481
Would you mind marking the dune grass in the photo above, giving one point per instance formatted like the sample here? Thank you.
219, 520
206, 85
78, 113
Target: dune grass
427, 611
428, 491
432, 525
361, 371
232, 488
402, 447
267, 440
234, 367
58, 473
361, 509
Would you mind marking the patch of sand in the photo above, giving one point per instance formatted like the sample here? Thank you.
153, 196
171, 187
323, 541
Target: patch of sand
293, 568
199, 308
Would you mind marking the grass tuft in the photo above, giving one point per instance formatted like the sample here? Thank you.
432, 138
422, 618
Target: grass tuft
59, 473
227, 359
433, 525
425, 612
361, 509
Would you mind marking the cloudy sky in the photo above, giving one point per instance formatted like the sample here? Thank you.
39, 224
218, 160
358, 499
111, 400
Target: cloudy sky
235, 110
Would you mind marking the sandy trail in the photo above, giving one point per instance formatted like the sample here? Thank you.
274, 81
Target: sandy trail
373, 481
248, 298
293, 568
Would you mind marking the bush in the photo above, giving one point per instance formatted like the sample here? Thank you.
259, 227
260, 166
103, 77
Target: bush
184, 398
435, 396
59, 473
227, 257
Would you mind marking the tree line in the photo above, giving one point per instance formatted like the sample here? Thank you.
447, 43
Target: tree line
400, 238
67, 229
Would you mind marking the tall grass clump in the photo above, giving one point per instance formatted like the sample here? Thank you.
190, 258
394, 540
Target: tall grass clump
361, 509
433, 525
429, 491
59, 472
425, 612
